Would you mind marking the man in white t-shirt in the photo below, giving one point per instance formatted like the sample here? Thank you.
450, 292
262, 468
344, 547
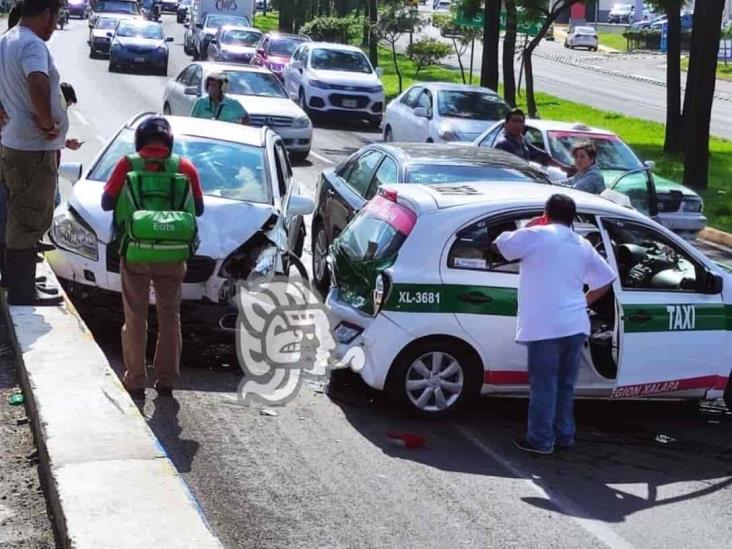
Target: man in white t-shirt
35, 132
556, 265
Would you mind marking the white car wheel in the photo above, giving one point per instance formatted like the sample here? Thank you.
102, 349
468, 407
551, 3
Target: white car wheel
321, 277
434, 382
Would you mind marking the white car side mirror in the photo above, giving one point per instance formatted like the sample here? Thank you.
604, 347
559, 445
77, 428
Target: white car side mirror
379, 72
71, 171
650, 164
300, 205
421, 112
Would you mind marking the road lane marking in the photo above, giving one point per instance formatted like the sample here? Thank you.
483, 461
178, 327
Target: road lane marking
80, 118
321, 157
594, 527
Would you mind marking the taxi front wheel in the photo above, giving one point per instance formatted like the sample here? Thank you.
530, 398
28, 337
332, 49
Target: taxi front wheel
434, 377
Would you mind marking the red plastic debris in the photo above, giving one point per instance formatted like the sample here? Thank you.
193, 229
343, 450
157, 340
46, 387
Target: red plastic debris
407, 440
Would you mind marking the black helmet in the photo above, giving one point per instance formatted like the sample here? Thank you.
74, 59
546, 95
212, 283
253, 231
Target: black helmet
154, 127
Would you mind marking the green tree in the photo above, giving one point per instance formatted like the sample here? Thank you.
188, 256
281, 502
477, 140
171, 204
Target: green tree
462, 37
394, 21
427, 52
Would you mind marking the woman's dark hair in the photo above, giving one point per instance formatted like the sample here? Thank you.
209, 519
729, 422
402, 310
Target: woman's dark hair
588, 147
561, 208
31, 8
69, 94
515, 112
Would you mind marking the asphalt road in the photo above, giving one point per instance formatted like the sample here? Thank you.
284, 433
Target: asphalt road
322, 473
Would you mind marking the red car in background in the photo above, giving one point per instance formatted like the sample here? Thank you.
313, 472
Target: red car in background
275, 49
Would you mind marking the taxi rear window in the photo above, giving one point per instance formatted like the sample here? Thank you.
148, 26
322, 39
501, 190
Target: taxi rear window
378, 231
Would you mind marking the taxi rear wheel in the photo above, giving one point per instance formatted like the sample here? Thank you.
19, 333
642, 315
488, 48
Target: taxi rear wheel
434, 377
321, 277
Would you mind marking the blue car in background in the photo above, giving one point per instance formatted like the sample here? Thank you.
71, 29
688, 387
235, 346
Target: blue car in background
139, 44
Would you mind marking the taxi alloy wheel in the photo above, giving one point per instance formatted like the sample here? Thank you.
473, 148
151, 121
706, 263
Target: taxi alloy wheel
434, 377
434, 382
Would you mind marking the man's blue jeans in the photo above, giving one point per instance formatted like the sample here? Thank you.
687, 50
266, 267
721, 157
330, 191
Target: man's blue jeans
553, 366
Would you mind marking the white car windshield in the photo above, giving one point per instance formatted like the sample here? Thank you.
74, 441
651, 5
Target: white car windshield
472, 105
254, 83
585, 30
612, 153
227, 170
339, 60
153, 31
240, 38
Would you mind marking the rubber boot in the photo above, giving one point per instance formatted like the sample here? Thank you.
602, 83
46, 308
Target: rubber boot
4, 282
22, 268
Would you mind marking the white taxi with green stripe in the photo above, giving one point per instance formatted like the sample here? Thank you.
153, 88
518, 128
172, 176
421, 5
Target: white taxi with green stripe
417, 287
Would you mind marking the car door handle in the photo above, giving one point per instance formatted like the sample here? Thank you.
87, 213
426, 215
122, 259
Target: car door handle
330, 193
640, 316
475, 298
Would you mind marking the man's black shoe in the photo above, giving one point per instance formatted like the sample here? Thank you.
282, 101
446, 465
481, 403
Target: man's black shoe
22, 271
48, 290
522, 444
163, 390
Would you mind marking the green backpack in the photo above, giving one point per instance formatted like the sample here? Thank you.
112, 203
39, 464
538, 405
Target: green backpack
155, 213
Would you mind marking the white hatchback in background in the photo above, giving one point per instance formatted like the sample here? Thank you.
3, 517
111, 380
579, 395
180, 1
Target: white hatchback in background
441, 113
582, 37
335, 79
257, 89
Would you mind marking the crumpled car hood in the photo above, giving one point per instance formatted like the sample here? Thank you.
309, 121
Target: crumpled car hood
225, 225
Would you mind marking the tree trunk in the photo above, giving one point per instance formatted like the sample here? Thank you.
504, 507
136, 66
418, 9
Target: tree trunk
341, 7
698, 112
491, 31
373, 39
396, 65
509, 51
366, 34
287, 13
672, 143
459, 58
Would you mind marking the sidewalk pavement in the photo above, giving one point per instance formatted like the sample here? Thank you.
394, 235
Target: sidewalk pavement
108, 481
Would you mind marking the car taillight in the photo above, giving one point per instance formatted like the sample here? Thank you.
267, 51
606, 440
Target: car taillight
388, 194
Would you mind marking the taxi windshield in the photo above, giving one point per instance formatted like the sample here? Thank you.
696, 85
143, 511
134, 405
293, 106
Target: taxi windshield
116, 6
227, 170
106, 23
284, 46
612, 153
254, 83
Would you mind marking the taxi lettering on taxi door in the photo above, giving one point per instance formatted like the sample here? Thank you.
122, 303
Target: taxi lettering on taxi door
681, 317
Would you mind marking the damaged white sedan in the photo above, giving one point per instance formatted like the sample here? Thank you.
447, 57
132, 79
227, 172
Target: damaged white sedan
252, 227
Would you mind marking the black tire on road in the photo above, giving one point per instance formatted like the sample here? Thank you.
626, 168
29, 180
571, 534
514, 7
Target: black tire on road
375, 121
321, 280
469, 374
388, 135
167, 110
728, 393
300, 156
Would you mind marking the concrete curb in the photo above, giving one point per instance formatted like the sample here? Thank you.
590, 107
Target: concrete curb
716, 236
108, 481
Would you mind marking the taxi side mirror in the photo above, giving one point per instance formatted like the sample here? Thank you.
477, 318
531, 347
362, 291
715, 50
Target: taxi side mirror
714, 284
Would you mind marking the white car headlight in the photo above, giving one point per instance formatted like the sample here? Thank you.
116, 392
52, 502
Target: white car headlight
72, 234
302, 122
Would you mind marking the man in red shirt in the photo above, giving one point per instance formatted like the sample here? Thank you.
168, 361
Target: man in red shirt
154, 143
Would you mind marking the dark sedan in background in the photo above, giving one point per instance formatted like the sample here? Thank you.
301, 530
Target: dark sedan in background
139, 44
78, 8
343, 190
234, 44
181, 14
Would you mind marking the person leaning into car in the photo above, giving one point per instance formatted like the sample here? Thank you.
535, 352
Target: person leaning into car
216, 106
555, 265
35, 131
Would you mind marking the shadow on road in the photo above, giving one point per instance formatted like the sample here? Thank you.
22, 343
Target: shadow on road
630, 456
166, 426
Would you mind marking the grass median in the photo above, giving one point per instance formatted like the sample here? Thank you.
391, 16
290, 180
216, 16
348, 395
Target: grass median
724, 70
613, 40
269, 22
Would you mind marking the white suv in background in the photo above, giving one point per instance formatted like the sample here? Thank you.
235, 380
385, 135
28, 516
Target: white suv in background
337, 79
